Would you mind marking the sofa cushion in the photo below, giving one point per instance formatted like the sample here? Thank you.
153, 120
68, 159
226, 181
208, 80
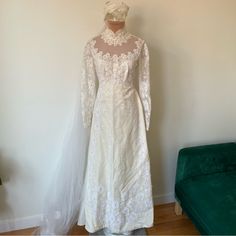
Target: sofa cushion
205, 159
210, 201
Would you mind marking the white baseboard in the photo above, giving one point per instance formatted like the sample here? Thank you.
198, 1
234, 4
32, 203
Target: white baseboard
33, 221
164, 198
19, 223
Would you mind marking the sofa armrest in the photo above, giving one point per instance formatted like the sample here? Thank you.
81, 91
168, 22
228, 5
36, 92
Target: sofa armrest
205, 159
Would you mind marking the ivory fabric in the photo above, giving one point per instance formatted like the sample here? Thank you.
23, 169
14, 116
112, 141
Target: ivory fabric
118, 187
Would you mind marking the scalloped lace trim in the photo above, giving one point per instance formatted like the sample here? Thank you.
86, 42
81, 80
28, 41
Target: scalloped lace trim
115, 38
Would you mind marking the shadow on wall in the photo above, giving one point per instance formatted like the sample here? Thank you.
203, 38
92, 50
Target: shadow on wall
170, 110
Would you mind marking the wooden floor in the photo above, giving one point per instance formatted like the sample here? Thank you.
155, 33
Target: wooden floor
165, 223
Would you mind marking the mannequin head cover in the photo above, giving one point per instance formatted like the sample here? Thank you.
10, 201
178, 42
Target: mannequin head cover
115, 14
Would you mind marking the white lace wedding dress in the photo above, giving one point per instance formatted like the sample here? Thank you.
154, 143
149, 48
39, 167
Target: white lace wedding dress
118, 188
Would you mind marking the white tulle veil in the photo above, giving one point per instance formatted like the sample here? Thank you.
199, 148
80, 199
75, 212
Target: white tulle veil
63, 200
62, 203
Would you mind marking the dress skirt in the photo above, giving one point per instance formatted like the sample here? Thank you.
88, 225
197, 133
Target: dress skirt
118, 189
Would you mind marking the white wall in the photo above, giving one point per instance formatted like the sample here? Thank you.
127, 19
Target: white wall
193, 80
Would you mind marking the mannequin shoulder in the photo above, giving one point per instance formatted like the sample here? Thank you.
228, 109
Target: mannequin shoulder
90, 41
141, 42
141, 45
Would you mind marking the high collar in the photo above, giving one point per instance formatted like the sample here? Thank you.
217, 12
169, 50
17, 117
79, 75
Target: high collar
115, 38
118, 32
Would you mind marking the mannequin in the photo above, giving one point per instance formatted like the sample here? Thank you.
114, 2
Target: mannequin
118, 193
115, 25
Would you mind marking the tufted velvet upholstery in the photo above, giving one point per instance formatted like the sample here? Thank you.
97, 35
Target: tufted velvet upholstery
205, 187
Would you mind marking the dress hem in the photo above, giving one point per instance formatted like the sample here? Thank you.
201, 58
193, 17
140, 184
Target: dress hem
106, 226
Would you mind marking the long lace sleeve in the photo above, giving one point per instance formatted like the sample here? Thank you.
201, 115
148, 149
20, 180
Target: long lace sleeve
144, 83
88, 87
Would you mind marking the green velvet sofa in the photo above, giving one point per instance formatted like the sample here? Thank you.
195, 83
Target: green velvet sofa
205, 187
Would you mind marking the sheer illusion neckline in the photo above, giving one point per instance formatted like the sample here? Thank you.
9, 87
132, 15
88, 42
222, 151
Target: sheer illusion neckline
119, 37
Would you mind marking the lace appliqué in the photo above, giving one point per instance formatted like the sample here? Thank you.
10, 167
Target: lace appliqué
144, 84
123, 56
134, 201
115, 38
88, 87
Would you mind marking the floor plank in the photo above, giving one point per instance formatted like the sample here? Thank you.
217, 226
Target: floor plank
165, 223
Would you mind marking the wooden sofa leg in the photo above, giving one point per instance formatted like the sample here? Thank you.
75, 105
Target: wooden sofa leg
178, 209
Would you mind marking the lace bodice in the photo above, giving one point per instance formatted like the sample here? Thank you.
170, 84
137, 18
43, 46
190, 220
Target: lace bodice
115, 60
